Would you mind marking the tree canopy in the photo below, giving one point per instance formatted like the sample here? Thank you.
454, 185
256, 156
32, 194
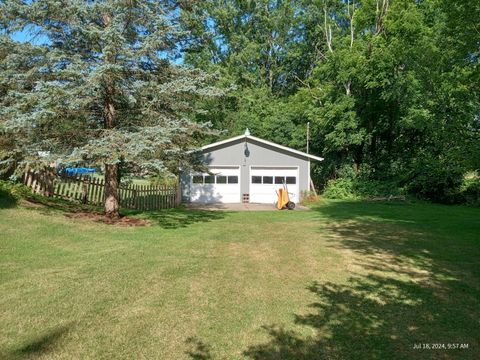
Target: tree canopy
390, 87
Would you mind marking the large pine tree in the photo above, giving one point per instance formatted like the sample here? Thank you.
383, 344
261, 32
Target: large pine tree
95, 87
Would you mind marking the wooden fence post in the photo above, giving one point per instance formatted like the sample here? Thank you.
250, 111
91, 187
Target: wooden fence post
135, 197
34, 182
27, 177
178, 193
50, 186
84, 192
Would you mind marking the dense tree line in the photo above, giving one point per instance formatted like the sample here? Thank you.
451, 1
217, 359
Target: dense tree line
390, 87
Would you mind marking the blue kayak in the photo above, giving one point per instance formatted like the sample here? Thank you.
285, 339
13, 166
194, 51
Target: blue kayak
79, 170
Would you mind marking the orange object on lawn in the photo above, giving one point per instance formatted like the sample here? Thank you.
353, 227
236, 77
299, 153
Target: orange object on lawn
283, 198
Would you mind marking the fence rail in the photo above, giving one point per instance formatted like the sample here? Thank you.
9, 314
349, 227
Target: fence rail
90, 190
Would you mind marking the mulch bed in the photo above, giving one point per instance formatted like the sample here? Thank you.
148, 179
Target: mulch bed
77, 211
99, 217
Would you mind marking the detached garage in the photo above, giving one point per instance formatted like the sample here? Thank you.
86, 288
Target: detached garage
247, 169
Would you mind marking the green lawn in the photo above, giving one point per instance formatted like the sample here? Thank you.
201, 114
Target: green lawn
347, 280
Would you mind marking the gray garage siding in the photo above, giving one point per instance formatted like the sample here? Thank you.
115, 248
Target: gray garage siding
259, 154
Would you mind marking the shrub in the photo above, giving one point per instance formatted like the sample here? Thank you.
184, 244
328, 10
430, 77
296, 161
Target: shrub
354, 189
11, 192
470, 190
433, 183
342, 188
308, 197
437, 183
6, 197
16, 190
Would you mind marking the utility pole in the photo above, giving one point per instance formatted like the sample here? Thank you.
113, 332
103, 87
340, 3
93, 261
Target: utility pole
308, 135
310, 181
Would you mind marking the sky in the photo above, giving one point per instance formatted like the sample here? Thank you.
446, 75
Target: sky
20, 36
27, 35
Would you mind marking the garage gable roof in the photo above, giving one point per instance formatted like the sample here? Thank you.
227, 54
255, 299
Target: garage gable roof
254, 138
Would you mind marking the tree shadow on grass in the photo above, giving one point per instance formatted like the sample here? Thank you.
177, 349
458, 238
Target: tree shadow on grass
41, 345
375, 317
412, 279
50, 205
198, 349
180, 217
167, 219
440, 240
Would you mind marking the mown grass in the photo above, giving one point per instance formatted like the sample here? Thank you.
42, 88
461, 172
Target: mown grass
347, 280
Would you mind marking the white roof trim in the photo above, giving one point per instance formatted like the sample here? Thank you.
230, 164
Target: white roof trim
301, 153
226, 141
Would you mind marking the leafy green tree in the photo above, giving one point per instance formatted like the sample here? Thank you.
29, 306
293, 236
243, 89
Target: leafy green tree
101, 88
254, 47
250, 40
387, 85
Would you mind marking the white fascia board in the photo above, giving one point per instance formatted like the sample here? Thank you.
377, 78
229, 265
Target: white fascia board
318, 158
226, 141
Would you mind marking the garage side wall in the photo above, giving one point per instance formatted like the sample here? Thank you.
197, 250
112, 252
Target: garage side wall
251, 153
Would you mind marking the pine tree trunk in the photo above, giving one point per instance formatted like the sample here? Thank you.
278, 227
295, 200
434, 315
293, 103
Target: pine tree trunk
111, 191
112, 204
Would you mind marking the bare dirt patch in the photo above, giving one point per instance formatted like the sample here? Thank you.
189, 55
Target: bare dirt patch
30, 204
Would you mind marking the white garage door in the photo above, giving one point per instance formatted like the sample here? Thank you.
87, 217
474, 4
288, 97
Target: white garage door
222, 186
264, 181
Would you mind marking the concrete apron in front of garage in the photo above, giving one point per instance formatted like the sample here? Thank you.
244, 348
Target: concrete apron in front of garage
241, 207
